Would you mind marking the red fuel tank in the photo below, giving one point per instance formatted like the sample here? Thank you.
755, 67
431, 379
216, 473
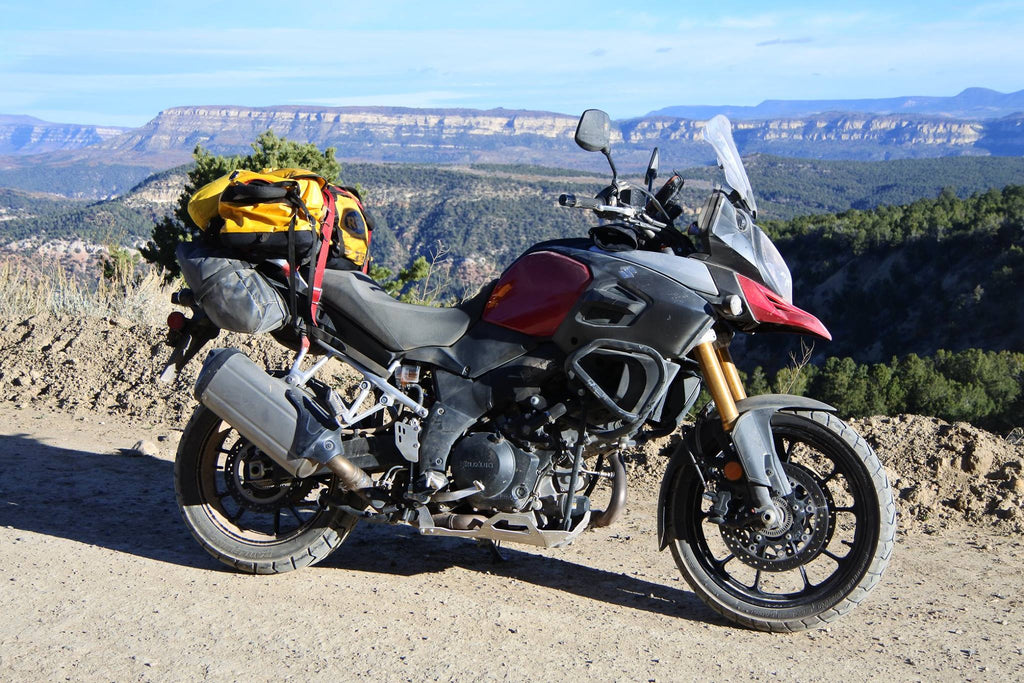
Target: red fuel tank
536, 293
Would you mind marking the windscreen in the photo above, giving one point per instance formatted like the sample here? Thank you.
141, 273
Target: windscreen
718, 132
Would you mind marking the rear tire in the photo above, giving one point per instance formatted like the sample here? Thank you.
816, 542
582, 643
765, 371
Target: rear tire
816, 582
246, 511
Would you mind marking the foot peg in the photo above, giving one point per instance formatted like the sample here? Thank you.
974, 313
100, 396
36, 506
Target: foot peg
428, 483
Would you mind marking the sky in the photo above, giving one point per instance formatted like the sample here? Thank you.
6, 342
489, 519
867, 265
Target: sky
120, 63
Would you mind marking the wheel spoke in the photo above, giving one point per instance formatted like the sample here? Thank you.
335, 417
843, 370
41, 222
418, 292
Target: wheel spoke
757, 583
237, 516
836, 558
831, 475
803, 575
277, 522
720, 564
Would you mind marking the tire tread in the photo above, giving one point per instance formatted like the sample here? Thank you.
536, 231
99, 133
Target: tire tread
323, 540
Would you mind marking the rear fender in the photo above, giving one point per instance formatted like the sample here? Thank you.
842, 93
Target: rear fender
754, 444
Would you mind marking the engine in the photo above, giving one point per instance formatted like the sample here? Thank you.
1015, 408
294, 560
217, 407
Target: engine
508, 474
525, 461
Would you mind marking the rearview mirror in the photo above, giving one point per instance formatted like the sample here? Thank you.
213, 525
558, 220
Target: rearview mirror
652, 169
594, 131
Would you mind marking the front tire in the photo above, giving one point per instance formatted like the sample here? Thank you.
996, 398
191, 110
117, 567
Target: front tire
245, 510
837, 554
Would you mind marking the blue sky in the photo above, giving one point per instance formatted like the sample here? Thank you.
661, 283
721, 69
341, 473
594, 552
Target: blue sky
119, 63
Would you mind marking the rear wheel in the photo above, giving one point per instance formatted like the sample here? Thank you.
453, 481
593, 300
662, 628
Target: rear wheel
247, 511
823, 556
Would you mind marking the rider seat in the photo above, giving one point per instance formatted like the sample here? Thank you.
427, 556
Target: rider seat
397, 326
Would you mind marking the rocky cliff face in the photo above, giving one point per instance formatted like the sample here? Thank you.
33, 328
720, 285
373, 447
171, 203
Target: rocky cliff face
26, 135
510, 136
231, 128
439, 135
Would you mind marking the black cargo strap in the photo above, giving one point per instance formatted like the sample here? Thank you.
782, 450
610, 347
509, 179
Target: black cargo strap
287, 191
293, 260
258, 192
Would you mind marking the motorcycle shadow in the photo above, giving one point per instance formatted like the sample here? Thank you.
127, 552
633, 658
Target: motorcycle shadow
403, 552
110, 500
126, 504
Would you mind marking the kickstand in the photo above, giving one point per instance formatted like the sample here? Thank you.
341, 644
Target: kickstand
497, 557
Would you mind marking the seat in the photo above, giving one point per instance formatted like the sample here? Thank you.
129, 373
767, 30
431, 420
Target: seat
396, 325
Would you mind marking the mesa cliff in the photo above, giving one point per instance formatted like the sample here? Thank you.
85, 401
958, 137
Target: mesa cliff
512, 136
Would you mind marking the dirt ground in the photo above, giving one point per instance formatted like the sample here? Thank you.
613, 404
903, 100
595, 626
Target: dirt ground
100, 580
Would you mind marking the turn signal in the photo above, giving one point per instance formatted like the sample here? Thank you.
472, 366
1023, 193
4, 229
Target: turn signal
733, 471
177, 321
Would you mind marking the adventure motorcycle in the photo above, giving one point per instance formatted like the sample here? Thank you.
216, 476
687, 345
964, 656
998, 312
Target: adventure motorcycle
499, 418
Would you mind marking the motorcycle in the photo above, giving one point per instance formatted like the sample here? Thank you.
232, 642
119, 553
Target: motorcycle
502, 419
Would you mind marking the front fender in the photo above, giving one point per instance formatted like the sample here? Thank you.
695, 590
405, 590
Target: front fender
781, 402
759, 410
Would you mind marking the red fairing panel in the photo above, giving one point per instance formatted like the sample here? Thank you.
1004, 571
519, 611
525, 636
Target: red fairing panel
536, 293
771, 309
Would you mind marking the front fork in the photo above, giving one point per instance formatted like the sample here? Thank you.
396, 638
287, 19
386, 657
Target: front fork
722, 379
749, 430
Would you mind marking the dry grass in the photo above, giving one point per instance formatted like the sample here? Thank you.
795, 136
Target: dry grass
139, 296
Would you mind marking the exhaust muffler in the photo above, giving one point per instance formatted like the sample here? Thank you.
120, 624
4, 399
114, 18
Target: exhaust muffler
280, 419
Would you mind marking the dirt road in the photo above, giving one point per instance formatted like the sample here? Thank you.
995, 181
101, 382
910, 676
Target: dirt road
99, 579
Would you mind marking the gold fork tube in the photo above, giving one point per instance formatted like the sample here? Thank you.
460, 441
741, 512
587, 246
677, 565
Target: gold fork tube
715, 379
732, 375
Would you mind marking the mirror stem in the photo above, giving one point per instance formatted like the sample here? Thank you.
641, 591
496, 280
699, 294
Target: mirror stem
608, 156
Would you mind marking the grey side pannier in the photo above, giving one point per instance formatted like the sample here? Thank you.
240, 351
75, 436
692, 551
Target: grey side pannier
232, 294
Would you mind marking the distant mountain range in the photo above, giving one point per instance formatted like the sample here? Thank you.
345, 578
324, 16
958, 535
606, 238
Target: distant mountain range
36, 155
29, 135
972, 103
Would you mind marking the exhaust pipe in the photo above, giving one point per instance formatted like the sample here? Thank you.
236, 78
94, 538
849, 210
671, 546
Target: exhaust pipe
618, 502
278, 418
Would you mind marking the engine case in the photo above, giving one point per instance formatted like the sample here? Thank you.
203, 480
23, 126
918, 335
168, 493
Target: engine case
509, 474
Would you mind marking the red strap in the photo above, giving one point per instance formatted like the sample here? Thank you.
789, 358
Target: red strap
326, 230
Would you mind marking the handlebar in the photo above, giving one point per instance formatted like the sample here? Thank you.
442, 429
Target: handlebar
571, 201
629, 213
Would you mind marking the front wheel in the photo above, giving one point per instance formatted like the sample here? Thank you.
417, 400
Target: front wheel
244, 509
824, 555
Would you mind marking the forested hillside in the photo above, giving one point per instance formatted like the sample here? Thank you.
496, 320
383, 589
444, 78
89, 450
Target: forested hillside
76, 180
941, 273
490, 211
15, 204
985, 388
787, 188
911, 295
